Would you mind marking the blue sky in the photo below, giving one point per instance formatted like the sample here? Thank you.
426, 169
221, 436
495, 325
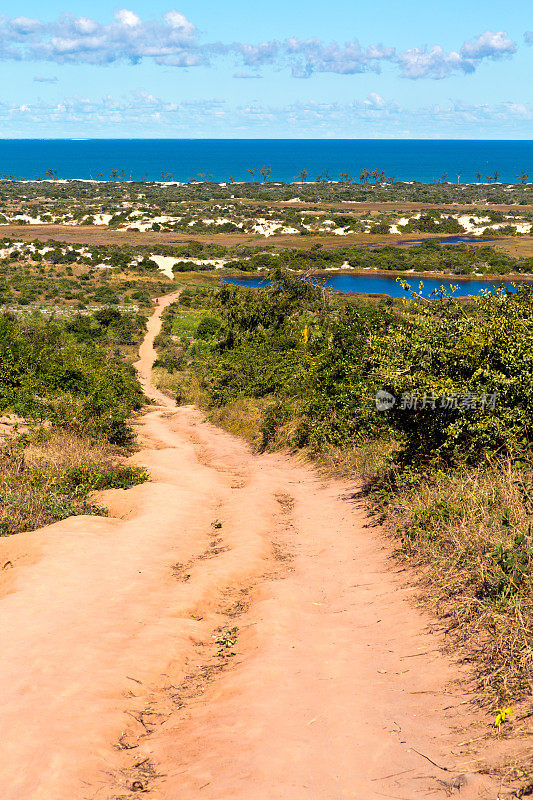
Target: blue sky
414, 69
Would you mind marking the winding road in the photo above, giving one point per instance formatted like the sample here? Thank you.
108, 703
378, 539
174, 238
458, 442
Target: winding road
235, 630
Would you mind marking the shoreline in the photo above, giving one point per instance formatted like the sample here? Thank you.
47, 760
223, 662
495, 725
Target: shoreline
375, 273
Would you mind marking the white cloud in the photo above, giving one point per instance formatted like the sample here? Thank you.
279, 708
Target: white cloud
24, 25
144, 112
179, 22
488, 45
172, 41
374, 100
85, 26
72, 39
128, 18
311, 55
421, 62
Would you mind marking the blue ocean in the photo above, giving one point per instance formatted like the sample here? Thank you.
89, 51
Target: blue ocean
223, 160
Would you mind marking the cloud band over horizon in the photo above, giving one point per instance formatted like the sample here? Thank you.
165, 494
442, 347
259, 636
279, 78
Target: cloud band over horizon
173, 41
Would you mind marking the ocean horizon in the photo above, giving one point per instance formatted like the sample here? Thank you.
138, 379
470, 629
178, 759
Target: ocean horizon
289, 160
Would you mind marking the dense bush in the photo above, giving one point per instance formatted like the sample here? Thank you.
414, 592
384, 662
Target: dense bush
47, 374
461, 374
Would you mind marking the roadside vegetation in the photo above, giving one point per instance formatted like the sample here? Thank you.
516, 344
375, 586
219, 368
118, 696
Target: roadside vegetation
67, 395
291, 366
48, 474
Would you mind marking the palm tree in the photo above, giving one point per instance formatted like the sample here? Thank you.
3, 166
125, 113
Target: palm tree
302, 176
496, 176
51, 173
364, 176
114, 174
375, 175
252, 173
478, 177
231, 179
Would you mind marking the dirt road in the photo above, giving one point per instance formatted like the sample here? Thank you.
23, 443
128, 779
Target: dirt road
236, 629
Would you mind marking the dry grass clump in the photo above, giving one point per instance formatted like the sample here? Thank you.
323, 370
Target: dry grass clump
242, 417
472, 530
367, 461
65, 450
48, 474
165, 381
184, 386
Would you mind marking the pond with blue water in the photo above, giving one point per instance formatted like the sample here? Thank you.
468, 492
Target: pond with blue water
388, 285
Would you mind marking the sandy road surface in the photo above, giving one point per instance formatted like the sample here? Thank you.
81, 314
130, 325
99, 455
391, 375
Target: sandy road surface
114, 684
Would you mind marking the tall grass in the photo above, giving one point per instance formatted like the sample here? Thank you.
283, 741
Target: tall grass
48, 475
470, 530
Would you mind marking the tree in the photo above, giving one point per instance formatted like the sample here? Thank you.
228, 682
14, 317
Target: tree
478, 177
114, 174
252, 173
265, 172
302, 176
51, 174
364, 176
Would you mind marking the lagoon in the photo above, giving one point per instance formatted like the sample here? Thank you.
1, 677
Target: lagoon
388, 285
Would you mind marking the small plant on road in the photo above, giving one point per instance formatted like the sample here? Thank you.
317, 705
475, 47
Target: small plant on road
227, 641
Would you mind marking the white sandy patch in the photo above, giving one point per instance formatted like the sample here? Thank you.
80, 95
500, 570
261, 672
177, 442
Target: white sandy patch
102, 219
165, 264
472, 224
401, 221
265, 228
